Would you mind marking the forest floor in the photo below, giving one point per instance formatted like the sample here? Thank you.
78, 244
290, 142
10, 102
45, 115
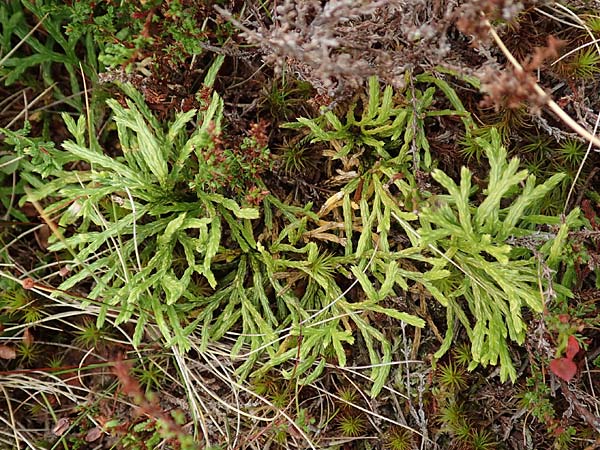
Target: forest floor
299, 224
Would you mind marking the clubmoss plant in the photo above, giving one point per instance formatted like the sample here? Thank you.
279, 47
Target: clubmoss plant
314, 335
379, 120
166, 199
385, 124
135, 212
46, 50
471, 243
505, 122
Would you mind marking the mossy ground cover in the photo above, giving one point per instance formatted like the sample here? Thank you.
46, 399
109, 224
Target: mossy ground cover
299, 225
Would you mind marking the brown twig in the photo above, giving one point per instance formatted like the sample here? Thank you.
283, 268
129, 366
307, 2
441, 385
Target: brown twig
546, 99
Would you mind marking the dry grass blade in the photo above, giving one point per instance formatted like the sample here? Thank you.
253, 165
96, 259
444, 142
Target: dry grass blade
22, 41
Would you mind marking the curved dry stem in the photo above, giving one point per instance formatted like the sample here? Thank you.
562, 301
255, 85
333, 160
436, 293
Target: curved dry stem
562, 115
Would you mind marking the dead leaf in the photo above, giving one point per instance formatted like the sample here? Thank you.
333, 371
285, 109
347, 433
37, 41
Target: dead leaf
41, 236
61, 426
27, 337
325, 237
7, 352
93, 434
29, 210
332, 202
563, 368
572, 347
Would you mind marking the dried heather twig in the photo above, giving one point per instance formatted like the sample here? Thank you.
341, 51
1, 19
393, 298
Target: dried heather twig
337, 45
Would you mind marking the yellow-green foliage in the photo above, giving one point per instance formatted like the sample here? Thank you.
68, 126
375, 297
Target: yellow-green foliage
492, 278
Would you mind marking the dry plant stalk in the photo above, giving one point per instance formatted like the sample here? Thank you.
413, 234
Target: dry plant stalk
541, 94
